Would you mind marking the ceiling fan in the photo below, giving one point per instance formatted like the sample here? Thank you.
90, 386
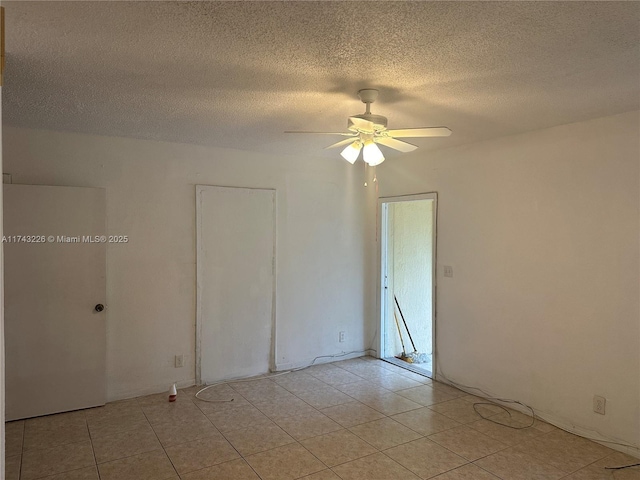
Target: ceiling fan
367, 130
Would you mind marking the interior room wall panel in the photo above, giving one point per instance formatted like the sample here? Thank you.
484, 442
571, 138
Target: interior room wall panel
541, 230
151, 280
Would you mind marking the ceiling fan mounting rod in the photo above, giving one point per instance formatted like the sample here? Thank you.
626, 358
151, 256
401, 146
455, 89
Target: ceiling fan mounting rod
368, 96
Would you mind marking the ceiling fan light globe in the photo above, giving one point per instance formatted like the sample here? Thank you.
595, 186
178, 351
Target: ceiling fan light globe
372, 154
351, 152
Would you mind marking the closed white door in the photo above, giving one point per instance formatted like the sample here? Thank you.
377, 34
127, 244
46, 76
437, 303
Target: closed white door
54, 274
235, 264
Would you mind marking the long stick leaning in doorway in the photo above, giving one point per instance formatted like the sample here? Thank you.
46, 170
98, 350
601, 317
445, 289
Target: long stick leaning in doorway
403, 355
414, 357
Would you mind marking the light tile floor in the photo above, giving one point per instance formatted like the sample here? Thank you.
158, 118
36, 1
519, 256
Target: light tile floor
356, 419
425, 368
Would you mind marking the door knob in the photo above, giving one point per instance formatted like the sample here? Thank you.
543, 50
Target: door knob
99, 307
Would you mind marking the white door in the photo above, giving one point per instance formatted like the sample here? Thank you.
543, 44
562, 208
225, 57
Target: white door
55, 340
235, 304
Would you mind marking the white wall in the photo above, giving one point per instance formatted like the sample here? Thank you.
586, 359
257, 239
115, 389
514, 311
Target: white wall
542, 232
321, 229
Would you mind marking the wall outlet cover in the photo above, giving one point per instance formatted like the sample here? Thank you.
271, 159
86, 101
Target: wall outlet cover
179, 361
599, 404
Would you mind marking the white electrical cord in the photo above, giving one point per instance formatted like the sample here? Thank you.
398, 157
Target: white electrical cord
466, 388
255, 379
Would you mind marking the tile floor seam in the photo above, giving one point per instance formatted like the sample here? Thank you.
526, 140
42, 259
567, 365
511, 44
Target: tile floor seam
335, 473
307, 403
223, 436
93, 450
359, 458
161, 445
469, 461
127, 456
439, 431
353, 398
314, 456
186, 441
388, 448
488, 471
416, 473
549, 464
251, 467
449, 470
234, 447
66, 471
601, 459
299, 443
205, 468
21, 449
531, 457
131, 456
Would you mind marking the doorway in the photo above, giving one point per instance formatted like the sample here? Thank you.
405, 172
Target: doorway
235, 282
407, 274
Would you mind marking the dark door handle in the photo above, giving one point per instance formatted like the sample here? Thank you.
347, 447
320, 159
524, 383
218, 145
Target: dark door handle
99, 307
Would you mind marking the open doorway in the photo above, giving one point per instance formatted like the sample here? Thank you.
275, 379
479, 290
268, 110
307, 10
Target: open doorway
407, 273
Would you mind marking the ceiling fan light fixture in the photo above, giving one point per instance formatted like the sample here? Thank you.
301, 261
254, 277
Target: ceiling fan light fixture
372, 154
367, 129
351, 152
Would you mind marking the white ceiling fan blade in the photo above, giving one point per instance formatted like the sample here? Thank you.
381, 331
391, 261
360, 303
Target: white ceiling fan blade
420, 132
361, 124
340, 143
344, 134
396, 144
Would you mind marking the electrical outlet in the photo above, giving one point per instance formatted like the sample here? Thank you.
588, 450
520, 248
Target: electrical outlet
341, 337
179, 361
448, 271
598, 404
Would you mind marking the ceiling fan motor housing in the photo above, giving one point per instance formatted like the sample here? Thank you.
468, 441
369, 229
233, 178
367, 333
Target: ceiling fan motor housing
379, 122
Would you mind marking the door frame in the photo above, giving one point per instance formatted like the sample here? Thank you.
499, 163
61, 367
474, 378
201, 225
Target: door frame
199, 269
383, 246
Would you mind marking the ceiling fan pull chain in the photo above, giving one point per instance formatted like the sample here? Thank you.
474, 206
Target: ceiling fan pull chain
365, 173
375, 181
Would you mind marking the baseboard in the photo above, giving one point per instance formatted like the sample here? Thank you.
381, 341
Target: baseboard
283, 367
613, 443
114, 397
590, 434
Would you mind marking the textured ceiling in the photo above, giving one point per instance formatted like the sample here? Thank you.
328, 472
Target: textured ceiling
238, 74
